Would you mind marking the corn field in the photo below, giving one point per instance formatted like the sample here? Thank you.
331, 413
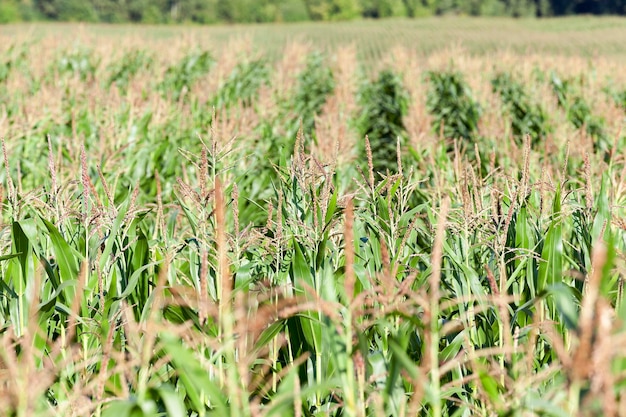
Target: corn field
198, 232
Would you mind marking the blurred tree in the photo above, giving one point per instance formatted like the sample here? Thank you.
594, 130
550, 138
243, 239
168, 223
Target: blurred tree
521, 8
490, 8
9, 11
198, 11
111, 11
292, 11
599, 7
225, 11
543, 8
447, 7
383, 8
67, 10
147, 11
561, 7
419, 8
233, 11
333, 9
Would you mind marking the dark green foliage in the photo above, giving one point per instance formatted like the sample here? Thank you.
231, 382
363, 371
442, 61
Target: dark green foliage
579, 113
233, 11
451, 103
315, 83
242, 85
121, 71
185, 73
260, 11
384, 8
333, 9
526, 117
67, 10
383, 104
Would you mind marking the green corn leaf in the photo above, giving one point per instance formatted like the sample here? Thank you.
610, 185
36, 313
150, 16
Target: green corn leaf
551, 266
10, 256
23, 248
66, 257
270, 333
134, 280
491, 387
122, 409
304, 282
172, 401
195, 378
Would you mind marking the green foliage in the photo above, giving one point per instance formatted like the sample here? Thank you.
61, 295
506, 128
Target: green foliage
315, 84
292, 11
242, 84
9, 11
450, 101
179, 78
15, 56
246, 11
579, 113
123, 70
383, 8
384, 103
80, 62
526, 118
521, 8
332, 9
67, 10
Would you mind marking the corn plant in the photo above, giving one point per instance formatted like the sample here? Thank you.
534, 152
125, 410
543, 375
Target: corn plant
242, 84
14, 56
383, 105
123, 70
580, 115
618, 96
526, 118
179, 78
450, 101
315, 83
79, 62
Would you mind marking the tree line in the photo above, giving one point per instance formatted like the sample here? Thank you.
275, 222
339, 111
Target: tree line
248, 11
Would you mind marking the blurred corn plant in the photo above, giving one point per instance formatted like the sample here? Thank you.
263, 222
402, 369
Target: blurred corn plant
242, 84
450, 101
315, 84
14, 57
179, 78
526, 118
80, 62
579, 114
128, 66
384, 103
617, 95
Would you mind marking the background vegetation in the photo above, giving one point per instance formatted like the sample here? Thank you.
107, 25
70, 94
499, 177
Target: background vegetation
246, 11
191, 227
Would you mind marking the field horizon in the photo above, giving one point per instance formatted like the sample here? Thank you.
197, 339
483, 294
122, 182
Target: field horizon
586, 36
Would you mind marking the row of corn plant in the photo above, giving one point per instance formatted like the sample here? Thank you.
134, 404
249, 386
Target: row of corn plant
526, 118
579, 113
156, 263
